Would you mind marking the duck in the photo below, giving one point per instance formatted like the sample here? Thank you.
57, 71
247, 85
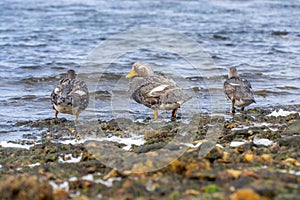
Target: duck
238, 90
155, 90
70, 96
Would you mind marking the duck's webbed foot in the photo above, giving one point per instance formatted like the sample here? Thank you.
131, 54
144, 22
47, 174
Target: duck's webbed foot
233, 110
232, 106
173, 117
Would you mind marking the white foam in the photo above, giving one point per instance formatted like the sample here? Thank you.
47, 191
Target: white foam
262, 141
108, 182
72, 141
88, 177
192, 145
14, 145
62, 186
281, 113
297, 173
240, 128
68, 158
236, 143
261, 124
73, 179
273, 129
137, 140
34, 164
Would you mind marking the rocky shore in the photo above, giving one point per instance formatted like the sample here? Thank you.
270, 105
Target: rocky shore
252, 155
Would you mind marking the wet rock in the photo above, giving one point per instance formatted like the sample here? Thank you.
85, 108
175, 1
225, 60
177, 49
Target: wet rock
152, 171
248, 157
172, 147
234, 173
245, 194
291, 161
244, 147
112, 174
287, 196
81, 197
26, 187
61, 194
214, 154
250, 173
280, 33
292, 141
282, 119
51, 157
219, 37
150, 147
204, 175
118, 124
226, 158
191, 192
293, 128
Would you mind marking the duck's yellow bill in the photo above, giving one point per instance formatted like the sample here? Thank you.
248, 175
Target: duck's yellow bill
132, 73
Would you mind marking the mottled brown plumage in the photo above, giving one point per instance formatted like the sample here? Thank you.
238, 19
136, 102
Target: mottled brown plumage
70, 96
155, 90
238, 90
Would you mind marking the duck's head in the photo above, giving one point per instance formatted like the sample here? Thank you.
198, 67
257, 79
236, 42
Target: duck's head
71, 74
233, 72
140, 69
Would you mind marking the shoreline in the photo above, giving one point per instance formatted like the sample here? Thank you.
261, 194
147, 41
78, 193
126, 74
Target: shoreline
249, 155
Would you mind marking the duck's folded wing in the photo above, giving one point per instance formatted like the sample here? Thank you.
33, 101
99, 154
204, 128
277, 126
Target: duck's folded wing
148, 93
238, 88
153, 95
58, 90
246, 90
230, 86
79, 94
53, 96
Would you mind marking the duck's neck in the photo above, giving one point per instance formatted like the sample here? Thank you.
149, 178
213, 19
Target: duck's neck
233, 73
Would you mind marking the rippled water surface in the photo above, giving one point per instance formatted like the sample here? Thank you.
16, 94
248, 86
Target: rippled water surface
40, 40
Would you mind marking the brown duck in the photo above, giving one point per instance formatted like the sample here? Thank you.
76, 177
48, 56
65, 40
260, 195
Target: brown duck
238, 90
155, 90
70, 96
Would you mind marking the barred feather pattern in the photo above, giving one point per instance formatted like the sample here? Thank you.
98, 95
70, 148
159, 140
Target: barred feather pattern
157, 92
72, 94
240, 90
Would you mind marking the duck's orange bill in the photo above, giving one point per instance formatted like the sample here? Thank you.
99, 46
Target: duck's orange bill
132, 73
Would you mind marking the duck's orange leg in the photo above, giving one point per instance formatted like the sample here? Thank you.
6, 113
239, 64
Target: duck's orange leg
233, 108
155, 114
76, 117
173, 118
55, 113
